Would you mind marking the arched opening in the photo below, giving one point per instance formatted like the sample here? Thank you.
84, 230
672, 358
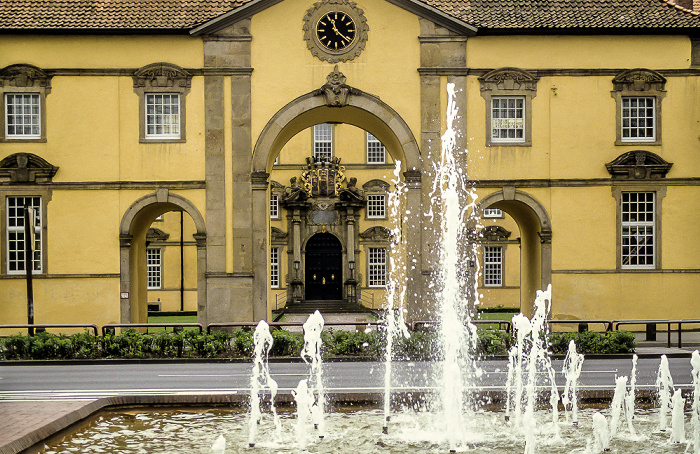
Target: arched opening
146, 263
323, 267
535, 241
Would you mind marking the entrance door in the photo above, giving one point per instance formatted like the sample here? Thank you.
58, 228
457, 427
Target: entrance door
324, 259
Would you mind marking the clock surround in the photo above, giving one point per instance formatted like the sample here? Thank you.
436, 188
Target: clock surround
335, 30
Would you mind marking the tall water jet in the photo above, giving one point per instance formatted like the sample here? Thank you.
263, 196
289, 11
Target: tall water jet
677, 418
631, 395
394, 322
601, 435
260, 381
664, 385
457, 333
303, 402
617, 405
573, 363
695, 408
311, 354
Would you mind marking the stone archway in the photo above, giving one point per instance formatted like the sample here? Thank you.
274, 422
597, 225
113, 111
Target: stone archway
340, 103
132, 233
536, 239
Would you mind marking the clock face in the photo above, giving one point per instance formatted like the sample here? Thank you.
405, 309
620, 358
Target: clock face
336, 30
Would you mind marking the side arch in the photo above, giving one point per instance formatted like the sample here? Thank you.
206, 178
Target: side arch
132, 232
536, 239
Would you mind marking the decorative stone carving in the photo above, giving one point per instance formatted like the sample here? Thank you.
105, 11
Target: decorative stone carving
294, 192
24, 76
323, 178
162, 75
376, 234
335, 91
638, 165
277, 235
639, 79
351, 193
26, 168
376, 186
508, 79
495, 233
154, 234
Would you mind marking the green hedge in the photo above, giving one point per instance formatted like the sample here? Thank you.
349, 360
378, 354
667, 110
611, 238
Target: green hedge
239, 344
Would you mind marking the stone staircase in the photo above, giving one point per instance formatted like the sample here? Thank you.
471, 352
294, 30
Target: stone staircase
336, 311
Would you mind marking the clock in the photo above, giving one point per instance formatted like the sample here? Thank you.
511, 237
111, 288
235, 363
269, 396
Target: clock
335, 30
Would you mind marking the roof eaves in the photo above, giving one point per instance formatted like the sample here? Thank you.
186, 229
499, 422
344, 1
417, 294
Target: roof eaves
437, 16
233, 16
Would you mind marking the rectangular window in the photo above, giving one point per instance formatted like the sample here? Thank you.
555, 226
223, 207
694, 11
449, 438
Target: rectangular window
274, 267
22, 116
493, 213
375, 150
376, 206
323, 141
493, 266
508, 119
162, 116
154, 262
274, 207
638, 118
16, 234
638, 229
376, 267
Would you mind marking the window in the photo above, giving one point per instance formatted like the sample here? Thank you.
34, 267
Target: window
274, 207
638, 119
162, 89
638, 229
638, 94
22, 116
274, 267
162, 116
376, 267
508, 93
508, 119
154, 262
493, 213
493, 266
376, 206
323, 141
16, 247
23, 90
375, 150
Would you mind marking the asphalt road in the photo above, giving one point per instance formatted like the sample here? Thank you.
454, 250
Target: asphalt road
50, 382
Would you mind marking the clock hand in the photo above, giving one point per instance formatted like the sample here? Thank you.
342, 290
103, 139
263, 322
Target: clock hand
335, 29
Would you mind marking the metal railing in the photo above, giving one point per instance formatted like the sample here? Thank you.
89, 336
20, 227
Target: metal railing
655, 322
286, 324
52, 325
111, 326
503, 325
608, 324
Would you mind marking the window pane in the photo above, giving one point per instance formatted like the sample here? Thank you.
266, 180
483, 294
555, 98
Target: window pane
507, 119
637, 229
638, 118
163, 116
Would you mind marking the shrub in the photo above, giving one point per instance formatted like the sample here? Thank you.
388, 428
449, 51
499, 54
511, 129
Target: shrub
593, 342
285, 343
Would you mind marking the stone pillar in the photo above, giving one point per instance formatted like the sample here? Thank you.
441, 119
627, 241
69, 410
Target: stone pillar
413, 231
259, 185
350, 223
125, 280
201, 242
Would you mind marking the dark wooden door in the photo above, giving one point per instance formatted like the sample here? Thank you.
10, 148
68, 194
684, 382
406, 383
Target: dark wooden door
323, 269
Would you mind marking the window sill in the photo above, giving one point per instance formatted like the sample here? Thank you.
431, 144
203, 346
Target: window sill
27, 140
638, 143
509, 144
154, 140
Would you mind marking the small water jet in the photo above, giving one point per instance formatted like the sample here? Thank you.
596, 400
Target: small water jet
631, 396
677, 418
695, 408
664, 385
573, 364
260, 381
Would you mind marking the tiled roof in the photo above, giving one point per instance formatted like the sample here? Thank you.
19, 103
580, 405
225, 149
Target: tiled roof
483, 14
111, 14
568, 14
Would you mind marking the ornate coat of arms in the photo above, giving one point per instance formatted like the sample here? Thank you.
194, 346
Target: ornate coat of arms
322, 177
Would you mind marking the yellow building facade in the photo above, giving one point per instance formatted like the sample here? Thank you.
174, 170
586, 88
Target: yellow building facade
241, 159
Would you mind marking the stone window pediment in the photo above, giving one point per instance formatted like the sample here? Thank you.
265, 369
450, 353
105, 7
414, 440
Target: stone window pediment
377, 234
278, 236
495, 233
376, 186
24, 87
638, 94
26, 168
638, 165
154, 235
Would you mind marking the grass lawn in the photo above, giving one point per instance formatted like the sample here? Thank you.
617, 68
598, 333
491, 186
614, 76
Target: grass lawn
170, 319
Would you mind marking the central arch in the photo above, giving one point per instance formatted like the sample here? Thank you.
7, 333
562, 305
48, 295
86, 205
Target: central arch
355, 108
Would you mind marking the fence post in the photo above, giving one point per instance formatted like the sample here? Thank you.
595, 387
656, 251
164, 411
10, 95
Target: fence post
651, 332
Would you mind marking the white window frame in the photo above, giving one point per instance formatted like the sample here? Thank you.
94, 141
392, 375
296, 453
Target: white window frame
323, 141
274, 267
514, 123
493, 266
376, 153
14, 216
638, 223
34, 117
274, 206
627, 119
376, 267
493, 213
376, 206
170, 122
154, 268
